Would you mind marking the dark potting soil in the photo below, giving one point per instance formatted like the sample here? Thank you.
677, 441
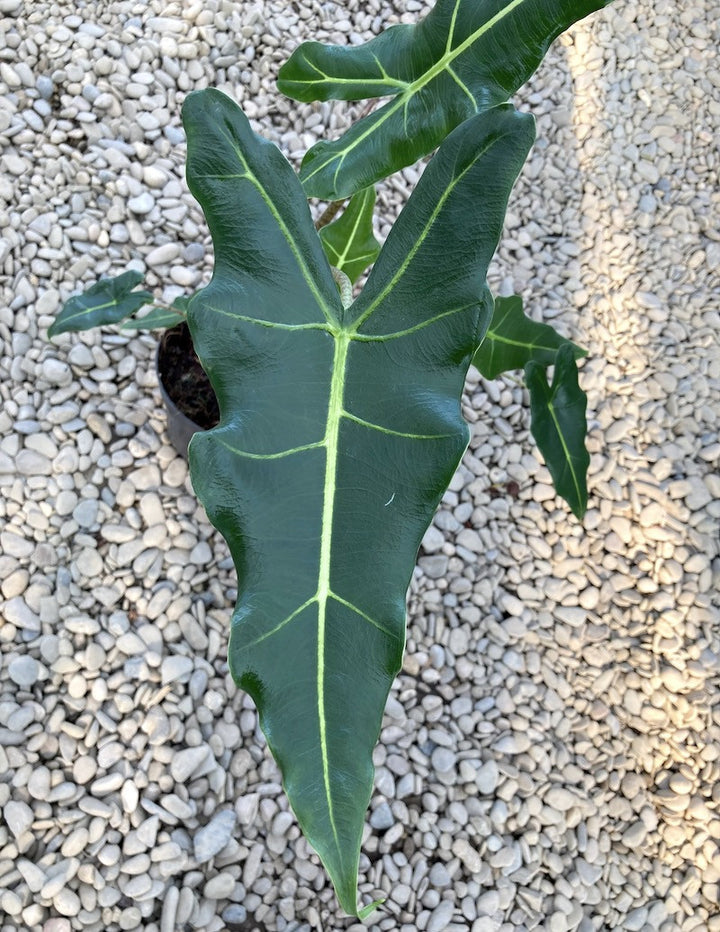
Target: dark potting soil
184, 378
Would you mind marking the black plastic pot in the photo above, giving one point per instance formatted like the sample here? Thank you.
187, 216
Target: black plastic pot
184, 388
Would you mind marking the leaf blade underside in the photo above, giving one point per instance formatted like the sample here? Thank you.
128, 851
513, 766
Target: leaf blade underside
465, 56
339, 431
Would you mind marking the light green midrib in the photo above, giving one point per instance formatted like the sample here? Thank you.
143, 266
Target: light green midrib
332, 433
343, 256
412, 252
568, 458
402, 99
497, 338
91, 310
302, 267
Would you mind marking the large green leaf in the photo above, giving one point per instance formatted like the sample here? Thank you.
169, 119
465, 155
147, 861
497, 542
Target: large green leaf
558, 425
513, 339
339, 431
465, 56
349, 242
106, 302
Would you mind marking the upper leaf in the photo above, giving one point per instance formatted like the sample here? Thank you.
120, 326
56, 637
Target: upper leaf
106, 302
513, 339
559, 426
349, 242
339, 432
465, 56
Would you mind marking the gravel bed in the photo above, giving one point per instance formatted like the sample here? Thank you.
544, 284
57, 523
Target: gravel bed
550, 757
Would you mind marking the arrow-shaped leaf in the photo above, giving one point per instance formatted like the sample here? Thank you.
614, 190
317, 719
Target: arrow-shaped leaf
465, 56
106, 302
513, 339
558, 425
349, 242
339, 431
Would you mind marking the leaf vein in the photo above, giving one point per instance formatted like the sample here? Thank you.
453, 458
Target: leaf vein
405, 264
361, 614
270, 324
566, 451
383, 337
270, 204
271, 456
283, 623
395, 433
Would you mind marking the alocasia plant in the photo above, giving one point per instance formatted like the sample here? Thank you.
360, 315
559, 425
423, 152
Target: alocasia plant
340, 424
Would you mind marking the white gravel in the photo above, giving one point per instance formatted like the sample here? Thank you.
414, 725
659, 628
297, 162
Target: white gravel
550, 757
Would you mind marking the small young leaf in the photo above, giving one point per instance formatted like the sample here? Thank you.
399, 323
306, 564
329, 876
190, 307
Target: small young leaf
368, 910
558, 425
160, 318
348, 241
106, 302
513, 339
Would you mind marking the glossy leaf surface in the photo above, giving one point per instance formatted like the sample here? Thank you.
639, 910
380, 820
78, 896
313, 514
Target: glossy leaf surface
339, 432
349, 242
559, 426
465, 56
106, 302
513, 339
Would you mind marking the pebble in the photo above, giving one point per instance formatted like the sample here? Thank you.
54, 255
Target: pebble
24, 671
75, 843
31, 463
57, 925
512, 744
161, 255
219, 887
213, 837
469, 856
176, 668
18, 817
634, 835
189, 760
440, 917
443, 760
38, 784
439, 876
33, 876
19, 613
85, 512
488, 903
142, 204
560, 799
382, 817
487, 777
